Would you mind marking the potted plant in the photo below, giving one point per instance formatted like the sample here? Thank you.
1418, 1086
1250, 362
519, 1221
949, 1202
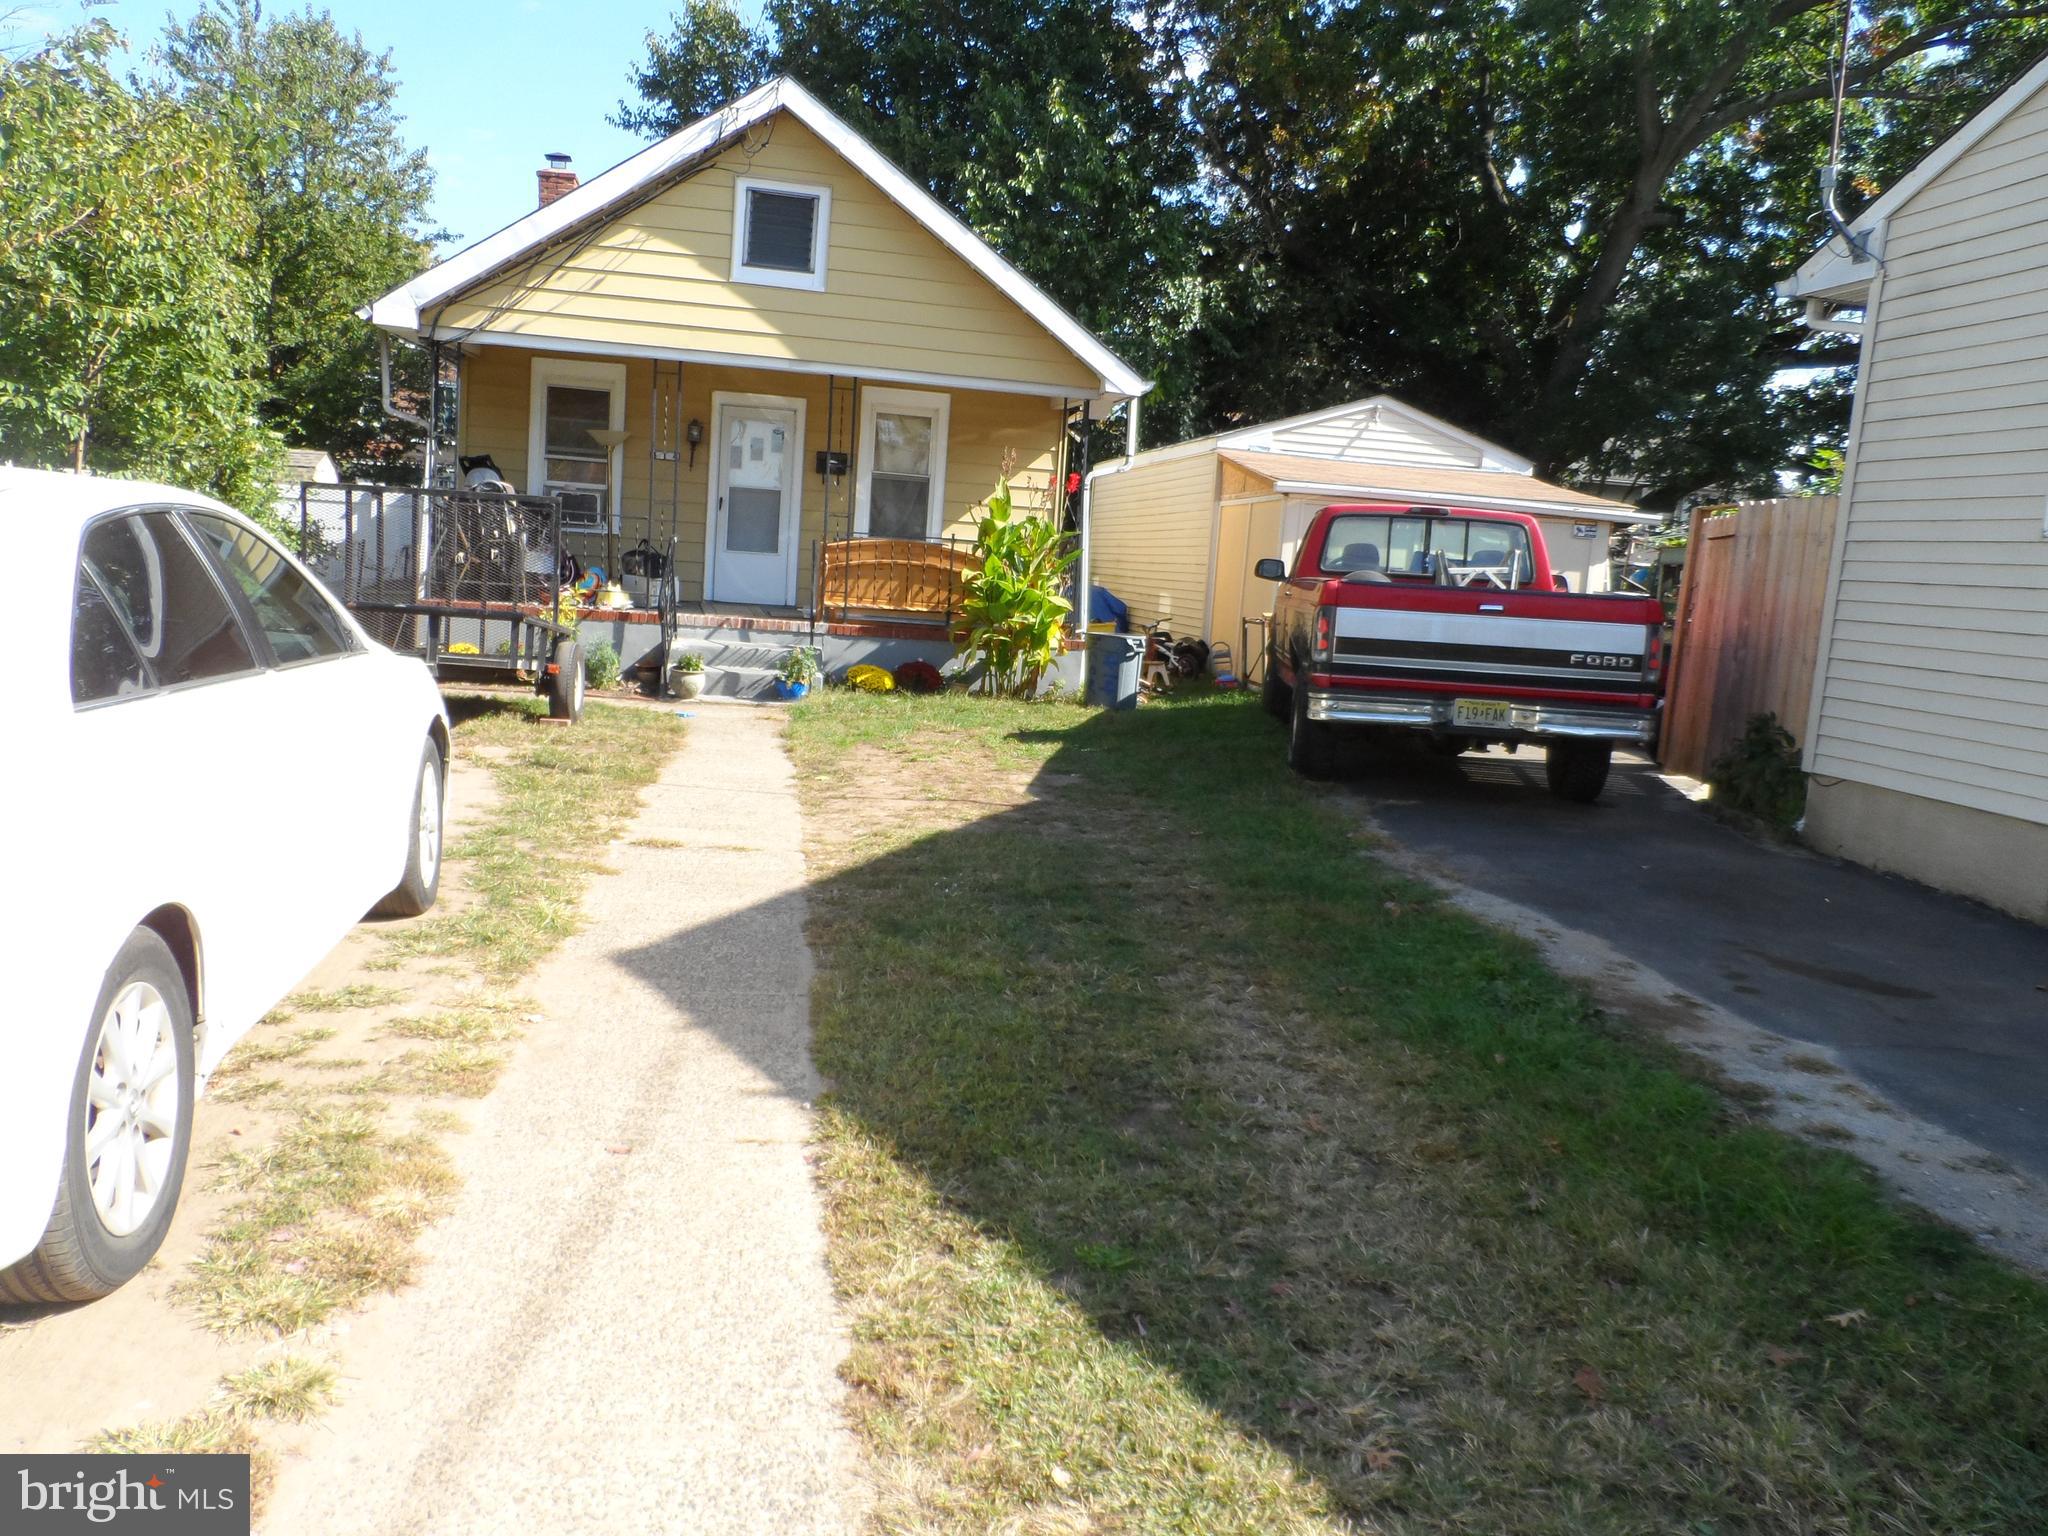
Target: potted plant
799, 671
687, 675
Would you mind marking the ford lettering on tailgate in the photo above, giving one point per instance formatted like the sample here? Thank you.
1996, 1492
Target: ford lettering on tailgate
1599, 659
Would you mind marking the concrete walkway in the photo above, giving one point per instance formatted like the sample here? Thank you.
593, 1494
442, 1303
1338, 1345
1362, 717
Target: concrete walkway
626, 1323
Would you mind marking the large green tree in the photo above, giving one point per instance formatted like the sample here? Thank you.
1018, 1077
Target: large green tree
1552, 221
127, 306
340, 204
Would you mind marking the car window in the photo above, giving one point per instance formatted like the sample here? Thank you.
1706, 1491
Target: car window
104, 661
166, 598
300, 622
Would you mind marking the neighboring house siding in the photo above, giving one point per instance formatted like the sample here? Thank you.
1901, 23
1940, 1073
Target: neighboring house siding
1936, 681
1363, 440
658, 277
1150, 545
496, 405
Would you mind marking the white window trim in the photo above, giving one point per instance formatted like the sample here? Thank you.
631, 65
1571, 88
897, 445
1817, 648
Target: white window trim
775, 277
575, 374
909, 402
720, 399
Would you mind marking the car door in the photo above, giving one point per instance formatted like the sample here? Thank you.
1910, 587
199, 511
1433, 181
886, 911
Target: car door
174, 784
334, 715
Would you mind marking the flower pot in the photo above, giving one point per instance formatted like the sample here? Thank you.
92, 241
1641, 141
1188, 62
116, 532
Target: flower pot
687, 685
785, 689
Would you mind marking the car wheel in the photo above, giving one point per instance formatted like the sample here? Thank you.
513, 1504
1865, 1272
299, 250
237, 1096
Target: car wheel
565, 684
1311, 744
126, 1137
1273, 689
415, 893
1577, 770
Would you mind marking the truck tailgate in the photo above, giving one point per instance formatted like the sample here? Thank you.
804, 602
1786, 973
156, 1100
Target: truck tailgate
1498, 642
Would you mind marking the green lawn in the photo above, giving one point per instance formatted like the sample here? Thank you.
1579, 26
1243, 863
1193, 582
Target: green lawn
1187, 1170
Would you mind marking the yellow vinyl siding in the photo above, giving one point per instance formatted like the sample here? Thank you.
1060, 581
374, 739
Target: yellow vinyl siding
496, 403
1246, 533
659, 276
1151, 541
1937, 659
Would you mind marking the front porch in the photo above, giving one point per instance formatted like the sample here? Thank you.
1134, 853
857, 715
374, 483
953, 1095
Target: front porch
779, 495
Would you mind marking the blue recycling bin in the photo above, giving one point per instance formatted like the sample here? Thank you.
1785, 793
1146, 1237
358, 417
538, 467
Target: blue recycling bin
1114, 664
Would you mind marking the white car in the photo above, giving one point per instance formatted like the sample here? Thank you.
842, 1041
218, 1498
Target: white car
212, 774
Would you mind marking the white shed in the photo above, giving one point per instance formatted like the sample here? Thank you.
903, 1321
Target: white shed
1177, 533
1927, 738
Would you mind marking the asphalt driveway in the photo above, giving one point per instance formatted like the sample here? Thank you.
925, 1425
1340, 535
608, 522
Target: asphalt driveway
1938, 1003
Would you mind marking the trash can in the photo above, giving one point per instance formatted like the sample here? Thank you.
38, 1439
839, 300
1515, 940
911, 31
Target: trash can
1114, 662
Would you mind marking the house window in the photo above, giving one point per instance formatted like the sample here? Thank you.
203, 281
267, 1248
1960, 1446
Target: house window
901, 488
573, 403
779, 233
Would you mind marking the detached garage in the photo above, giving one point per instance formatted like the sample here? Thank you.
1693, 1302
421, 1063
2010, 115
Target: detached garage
1176, 533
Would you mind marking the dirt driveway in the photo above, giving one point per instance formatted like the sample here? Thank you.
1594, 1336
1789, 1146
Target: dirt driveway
1936, 1004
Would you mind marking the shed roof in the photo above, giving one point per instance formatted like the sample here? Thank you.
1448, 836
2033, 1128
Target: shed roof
1466, 487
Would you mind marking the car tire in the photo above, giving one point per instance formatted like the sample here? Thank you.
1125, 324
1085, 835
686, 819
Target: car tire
421, 884
1273, 688
1311, 744
94, 1244
1577, 770
565, 683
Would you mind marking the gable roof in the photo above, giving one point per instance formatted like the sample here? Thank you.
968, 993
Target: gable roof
1836, 273
1295, 473
1371, 407
400, 310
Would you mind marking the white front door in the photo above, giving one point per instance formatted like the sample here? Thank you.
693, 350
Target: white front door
754, 504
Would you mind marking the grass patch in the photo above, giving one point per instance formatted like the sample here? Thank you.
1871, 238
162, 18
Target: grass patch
561, 793
326, 1217
360, 994
288, 1388
1187, 1169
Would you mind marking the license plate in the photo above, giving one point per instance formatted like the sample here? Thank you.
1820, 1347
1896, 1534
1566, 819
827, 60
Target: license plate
1480, 712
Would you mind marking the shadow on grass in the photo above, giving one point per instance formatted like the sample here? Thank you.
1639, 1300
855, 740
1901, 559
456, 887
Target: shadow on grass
1253, 1188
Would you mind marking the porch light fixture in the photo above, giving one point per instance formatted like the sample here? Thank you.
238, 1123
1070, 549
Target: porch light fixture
693, 434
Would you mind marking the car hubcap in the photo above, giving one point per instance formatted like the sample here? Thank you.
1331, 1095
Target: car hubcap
131, 1118
430, 823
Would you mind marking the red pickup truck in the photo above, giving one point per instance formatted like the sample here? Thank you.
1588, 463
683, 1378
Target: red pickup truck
1449, 623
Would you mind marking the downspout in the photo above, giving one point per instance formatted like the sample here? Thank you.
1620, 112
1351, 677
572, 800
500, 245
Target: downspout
1083, 594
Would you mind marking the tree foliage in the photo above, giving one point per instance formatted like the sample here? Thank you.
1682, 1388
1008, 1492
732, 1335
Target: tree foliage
1552, 222
339, 203
128, 339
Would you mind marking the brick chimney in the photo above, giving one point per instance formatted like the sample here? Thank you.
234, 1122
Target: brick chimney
556, 179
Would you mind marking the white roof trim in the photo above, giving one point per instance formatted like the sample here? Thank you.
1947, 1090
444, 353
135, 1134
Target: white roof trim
399, 310
1242, 437
1832, 272
1576, 511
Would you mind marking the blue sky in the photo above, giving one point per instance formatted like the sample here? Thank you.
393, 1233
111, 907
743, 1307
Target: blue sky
486, 88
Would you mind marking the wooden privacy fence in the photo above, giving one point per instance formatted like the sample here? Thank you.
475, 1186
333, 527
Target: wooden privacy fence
1748, 624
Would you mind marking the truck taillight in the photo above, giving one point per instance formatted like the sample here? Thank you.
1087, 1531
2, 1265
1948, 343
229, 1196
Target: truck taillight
1653, 659
1326, 633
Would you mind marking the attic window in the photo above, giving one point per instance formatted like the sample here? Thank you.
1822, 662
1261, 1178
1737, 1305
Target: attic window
778, 233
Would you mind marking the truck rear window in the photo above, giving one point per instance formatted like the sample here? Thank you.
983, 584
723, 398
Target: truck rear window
1411, 546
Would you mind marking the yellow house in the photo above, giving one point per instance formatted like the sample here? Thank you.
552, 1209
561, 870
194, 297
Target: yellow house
760, 344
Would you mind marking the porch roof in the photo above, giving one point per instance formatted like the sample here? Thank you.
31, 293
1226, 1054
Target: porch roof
614, 192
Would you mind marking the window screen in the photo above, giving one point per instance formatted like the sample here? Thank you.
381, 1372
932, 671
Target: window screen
900, 489
781, 230
577, 467
166, 598
300, 623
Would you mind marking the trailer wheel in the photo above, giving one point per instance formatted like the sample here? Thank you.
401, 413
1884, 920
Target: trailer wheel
1311, 744
1577, 770
1273, 688
565, 683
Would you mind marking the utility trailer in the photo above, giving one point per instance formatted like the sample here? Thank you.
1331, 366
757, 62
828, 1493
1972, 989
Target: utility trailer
469, 581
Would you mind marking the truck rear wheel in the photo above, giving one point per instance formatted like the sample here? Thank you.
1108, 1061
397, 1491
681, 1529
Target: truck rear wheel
1577, 770
1311, 744
1273, 689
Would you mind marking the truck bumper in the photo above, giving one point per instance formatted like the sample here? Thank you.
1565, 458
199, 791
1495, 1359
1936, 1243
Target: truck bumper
1526, 722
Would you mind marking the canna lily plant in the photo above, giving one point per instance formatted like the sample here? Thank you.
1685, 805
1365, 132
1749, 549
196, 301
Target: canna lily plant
1012, 610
